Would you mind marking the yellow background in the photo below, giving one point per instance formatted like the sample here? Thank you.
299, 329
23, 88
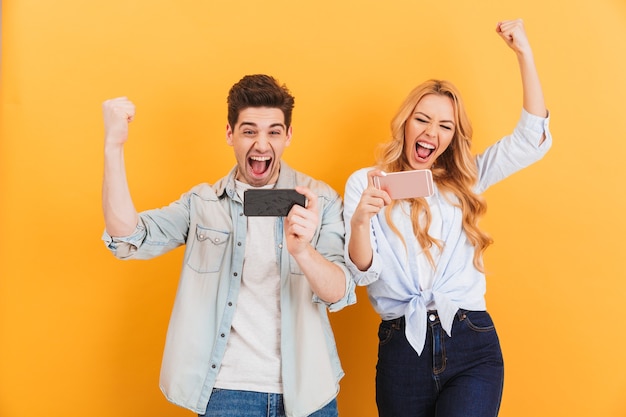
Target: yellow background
82, 333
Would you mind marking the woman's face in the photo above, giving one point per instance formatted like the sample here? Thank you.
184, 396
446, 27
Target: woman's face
429, 130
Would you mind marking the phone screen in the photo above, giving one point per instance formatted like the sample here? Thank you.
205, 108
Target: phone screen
271, 202
406, 184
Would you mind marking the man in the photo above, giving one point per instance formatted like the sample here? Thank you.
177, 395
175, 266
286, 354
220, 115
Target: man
249, 330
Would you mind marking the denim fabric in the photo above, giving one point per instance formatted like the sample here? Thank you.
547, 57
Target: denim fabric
229, 403
209, 221
458, 376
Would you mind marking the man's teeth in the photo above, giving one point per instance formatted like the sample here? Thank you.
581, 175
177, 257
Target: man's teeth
426, 145
260, 158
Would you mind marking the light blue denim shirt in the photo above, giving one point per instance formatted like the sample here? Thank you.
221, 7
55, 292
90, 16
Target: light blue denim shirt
392, 280
209, 220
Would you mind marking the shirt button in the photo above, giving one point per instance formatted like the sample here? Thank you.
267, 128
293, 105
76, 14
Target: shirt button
222, 335
217, 239
432, 317
201, 236
238, 243
280, 246
230, 304
235, 274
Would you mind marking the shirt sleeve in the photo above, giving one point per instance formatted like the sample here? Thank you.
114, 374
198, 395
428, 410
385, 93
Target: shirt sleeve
355, 186
514, 152
330, 244
158, 231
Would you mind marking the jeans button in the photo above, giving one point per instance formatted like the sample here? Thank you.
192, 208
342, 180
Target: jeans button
432, 317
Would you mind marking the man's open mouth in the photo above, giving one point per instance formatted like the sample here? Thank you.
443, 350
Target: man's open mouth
259, 164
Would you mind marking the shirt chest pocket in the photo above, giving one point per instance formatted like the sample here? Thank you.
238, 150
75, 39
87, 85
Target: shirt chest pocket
207, 249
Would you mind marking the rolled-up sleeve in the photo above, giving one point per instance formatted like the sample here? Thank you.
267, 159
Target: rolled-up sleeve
352, 195
514, 152
124, 247
331, 245
158, 231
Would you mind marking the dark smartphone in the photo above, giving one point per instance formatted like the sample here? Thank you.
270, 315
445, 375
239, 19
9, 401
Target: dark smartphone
271, 202
406, 184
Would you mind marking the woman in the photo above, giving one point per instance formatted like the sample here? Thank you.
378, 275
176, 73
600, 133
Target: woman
421, 258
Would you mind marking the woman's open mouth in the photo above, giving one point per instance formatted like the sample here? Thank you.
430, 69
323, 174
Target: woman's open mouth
424, 150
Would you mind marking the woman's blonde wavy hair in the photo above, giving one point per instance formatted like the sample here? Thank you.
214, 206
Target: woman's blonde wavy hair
454, 171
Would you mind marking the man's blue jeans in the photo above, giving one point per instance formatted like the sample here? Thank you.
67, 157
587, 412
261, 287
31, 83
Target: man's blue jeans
458, 376
229, 403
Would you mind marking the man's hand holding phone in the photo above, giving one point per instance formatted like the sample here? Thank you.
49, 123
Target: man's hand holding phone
301, 223
298, 206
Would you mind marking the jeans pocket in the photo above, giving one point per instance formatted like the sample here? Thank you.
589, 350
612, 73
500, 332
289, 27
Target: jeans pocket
478, 321
385, 332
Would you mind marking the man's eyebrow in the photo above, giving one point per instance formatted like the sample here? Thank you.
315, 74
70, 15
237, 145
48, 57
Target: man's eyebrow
242, 124
252, 124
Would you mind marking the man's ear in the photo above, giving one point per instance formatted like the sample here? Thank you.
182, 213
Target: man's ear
289, 133
229, 134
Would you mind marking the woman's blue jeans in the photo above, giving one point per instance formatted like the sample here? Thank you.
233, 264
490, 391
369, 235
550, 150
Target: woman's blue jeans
458, 376
230, 403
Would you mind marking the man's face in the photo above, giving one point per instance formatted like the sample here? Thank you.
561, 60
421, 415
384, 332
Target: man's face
259, 138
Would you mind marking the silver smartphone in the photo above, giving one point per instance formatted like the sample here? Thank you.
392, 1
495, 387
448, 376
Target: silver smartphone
406, 184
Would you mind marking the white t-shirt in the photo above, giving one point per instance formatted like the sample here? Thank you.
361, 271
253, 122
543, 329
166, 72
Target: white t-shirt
252, 358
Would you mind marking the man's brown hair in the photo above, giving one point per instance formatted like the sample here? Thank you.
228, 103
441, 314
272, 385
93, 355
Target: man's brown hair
259, 90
